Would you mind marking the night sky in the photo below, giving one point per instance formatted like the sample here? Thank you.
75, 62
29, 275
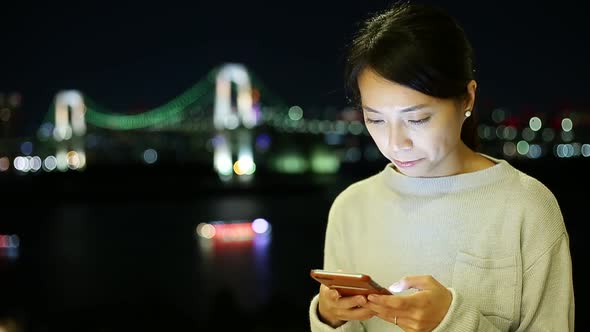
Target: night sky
141, 55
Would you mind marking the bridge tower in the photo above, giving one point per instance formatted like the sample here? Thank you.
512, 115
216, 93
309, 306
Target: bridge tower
69, 130
233, 124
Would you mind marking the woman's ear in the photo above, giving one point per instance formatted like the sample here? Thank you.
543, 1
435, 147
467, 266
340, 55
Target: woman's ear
470, 98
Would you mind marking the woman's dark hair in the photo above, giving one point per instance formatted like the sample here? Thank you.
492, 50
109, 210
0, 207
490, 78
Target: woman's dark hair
420, 47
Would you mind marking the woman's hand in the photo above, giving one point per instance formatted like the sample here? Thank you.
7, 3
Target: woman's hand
335, 310
421, 311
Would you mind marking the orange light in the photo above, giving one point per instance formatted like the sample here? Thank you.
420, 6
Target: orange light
237, 169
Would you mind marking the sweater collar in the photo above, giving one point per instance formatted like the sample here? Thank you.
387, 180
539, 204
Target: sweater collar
447, 184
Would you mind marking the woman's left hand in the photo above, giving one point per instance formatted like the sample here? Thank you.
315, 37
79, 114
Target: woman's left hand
421, 311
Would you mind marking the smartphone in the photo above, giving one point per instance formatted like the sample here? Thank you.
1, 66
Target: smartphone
349, 284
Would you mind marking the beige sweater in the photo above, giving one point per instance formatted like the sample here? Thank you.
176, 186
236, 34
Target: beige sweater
496, 238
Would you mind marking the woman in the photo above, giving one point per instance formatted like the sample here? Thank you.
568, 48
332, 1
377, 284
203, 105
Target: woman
482, 245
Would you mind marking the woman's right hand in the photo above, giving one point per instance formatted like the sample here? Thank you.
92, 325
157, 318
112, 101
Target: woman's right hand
335, 310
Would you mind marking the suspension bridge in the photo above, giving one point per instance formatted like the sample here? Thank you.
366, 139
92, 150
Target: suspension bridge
231, 121
228, 119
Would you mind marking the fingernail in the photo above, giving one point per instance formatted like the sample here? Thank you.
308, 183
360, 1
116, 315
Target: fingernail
373, 297
396, 287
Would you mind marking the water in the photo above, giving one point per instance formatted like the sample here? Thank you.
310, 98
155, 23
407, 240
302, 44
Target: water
119, 252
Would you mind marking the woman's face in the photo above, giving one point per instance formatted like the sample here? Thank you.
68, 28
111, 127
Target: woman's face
418, 133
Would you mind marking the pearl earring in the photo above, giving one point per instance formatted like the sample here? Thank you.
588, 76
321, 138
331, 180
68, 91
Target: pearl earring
467, 113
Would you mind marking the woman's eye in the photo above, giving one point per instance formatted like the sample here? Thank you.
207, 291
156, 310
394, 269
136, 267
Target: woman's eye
374, 121
419, 122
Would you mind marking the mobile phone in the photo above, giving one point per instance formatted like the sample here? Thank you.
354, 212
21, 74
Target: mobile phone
349, 284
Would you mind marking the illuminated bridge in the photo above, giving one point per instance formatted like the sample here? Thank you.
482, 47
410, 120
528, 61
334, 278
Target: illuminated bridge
230, 122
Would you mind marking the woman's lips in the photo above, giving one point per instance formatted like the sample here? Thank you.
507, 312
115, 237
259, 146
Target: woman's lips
406, 164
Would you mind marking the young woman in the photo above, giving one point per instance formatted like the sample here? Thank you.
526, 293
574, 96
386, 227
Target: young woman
482, 246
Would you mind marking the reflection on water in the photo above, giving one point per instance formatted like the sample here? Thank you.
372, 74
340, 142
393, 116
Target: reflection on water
9, 246
128, 260
235, 258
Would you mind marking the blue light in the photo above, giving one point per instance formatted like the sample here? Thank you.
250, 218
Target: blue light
263, 141
260, 226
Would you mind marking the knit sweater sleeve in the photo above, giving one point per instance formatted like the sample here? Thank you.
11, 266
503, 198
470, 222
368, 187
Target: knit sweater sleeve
334, 259
548, 295
547, 283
